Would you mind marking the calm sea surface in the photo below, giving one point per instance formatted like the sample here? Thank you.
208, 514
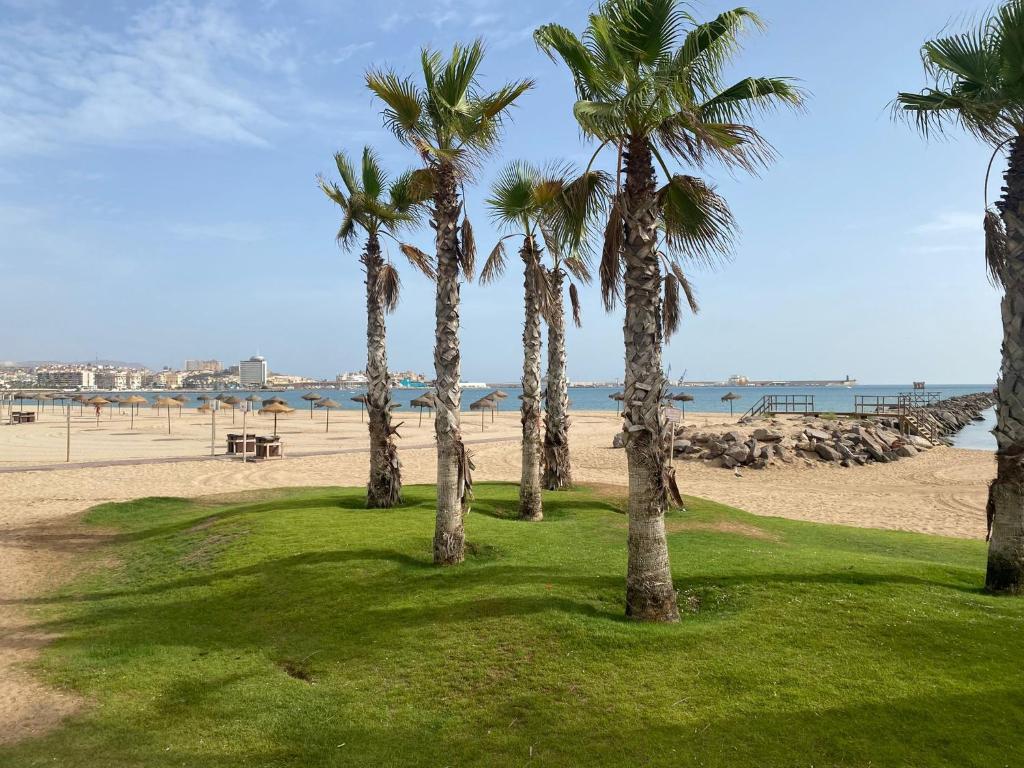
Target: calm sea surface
978, 435
706, 399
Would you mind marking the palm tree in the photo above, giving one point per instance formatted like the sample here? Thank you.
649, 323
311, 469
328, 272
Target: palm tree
648, 84
555, 207
377, 208
976, 85
452, 124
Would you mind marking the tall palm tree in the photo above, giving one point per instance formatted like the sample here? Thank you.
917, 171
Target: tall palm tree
555, 207
377, 208
648, 85
451, 123
977, 83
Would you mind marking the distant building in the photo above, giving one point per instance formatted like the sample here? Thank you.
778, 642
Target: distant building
65, 378
203, 366
253, 372
351, 378
738, 380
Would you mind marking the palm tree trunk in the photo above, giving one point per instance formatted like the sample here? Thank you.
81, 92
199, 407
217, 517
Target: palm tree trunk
385, 486
1006, 494
452, 462
650, 595
530, 505
557, 467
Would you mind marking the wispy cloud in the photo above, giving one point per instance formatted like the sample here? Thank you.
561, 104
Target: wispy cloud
949, 223
174, 71
346, 52
233, 231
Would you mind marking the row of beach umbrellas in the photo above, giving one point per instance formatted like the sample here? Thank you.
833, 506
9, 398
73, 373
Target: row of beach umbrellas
683, 397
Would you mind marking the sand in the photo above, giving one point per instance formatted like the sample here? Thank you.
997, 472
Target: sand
938, 492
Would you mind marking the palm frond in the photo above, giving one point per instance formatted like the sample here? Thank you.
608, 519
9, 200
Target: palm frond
709, 46
574, 300
752, 95
995, 249
685, 284
496, 263
670, 308
373, 176
647, 31
388, 287
467, 253
419, 259
610, 270
347, 172
511, 199
557, 41
698, 223
404, 100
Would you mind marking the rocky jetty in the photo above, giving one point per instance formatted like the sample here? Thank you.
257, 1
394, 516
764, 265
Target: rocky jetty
767, 441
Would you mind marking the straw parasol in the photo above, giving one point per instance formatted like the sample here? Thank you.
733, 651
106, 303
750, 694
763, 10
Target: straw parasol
133, 402
424, 401
362, 400
729, 397
98, 403
682, 397
181, 400
275, 399
498, 396
251, 399
204, 408
276, 409
619, 397
232, 402
326, 402
311, 398
485, 403
168, 403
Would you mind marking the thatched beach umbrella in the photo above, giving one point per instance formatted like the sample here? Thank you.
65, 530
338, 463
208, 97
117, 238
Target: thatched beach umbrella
619, 397
485, 403
730, 397
424, 401
361, 399
328, 404
498, 396
232, 402
168, 403
311, 398
276, 409
98, 403
181, 400
682, 397
273, 400
204, 408
133, 402
252, 399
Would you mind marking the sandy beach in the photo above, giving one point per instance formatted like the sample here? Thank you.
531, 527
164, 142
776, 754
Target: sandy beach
941, 492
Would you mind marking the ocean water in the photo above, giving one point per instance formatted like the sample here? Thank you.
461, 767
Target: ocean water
706, 399
978, 435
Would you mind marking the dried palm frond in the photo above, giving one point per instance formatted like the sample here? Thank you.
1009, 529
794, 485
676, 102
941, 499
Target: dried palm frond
495, 265
610, 270
686, 285
419, 259
671, 309
574, 300
467, 256
388, 287
995, 249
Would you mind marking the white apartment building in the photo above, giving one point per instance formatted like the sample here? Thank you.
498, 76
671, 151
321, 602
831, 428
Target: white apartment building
253, 372
60, 378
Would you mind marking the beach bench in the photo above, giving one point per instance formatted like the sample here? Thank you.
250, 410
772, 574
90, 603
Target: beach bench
269, 448
236, 443
23, 417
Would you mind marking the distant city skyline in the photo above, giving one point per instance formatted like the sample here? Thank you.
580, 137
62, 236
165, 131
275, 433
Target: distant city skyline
158, 202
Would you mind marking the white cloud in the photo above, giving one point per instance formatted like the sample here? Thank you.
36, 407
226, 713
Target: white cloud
176, 71
346, 52
233, 231
954, 222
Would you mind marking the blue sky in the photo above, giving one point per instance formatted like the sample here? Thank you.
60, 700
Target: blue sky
157, 165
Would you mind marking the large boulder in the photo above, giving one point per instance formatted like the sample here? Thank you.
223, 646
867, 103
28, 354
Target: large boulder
739, 453
619, 441
768, 435
906, 451
816, 434
827, 452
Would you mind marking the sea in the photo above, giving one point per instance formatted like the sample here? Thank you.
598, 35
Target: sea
705, 399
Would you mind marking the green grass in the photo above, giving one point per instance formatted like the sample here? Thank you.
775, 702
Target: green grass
302, 630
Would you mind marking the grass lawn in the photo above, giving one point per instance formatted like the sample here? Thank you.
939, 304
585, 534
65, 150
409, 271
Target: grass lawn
302, 630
